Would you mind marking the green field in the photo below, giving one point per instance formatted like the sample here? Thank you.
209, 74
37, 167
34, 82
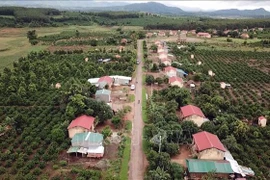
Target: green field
14, 43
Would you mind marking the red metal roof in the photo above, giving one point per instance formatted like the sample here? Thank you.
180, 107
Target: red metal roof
261, 118
107, 79
205, 140
169, 68
190, 110
175, 78
82, 121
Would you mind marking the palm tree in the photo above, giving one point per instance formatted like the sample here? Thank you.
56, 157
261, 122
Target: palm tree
159, 174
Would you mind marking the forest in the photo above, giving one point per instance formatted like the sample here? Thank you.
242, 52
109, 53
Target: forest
35, 114
34, 17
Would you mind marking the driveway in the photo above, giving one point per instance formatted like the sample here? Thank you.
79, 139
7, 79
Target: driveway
136, 164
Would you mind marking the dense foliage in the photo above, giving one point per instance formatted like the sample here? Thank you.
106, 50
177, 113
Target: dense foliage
35, 114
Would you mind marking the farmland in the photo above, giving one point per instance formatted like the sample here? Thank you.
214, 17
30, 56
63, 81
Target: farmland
35, 114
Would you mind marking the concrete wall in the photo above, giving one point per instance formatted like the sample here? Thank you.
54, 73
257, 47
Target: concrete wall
177, 83
196, 119
75, 130
211, 154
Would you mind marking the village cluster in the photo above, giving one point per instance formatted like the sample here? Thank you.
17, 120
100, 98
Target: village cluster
84, 139
212, 155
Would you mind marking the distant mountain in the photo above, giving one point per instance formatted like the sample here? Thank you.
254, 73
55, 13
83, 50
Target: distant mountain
150, 7
240, 13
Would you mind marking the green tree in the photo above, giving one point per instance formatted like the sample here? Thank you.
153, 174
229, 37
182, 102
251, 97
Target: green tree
106, 132
159, 80
117, 121
159, 174
177, 171
58, 135
149, 79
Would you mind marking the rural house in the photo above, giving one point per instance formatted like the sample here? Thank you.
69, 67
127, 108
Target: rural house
244, 36
103, 95
262, 121
193, 113
88, 144
105, 80
161, 33
81, 124
222, 85
163, 55
196, 169
184, 32
93, 81
170, 71
173, 33
203, 35
166, 61
176, 81
121, 80
181, 73
207, 146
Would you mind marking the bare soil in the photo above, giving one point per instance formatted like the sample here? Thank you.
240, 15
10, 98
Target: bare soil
184, 154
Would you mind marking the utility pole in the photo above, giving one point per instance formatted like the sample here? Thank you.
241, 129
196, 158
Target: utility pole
159, 149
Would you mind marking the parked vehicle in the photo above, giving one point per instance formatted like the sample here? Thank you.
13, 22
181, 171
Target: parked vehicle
132, 87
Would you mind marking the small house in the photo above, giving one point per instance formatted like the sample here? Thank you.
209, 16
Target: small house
170, 71
222, 85
196, 169
124, 41
166, 61
199, 63
121, 80
181, 73
93, 81
149, 35
103, 95
193, 32
192, 56
210, 73
184, 32
176, 81
158, 43
226, 32
245, 30
105, 80
244, 36
163, 55
161, 33
260, 29
207, 146
262, 121
203, 35
193, 113
81, 124
88, 144
173, 33
57, 85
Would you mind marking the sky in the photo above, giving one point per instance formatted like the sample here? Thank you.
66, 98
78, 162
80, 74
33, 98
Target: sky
215, 5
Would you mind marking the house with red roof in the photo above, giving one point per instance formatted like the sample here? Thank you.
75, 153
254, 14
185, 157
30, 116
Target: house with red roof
262, 121
105, 80
203, 35
207, 146
176, 81
170, 71
194, 114
81, 124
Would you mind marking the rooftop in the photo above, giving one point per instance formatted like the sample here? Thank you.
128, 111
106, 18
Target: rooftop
103, 91
175, 78
205, 140
88, 137
190, 110
203, 166
82, 121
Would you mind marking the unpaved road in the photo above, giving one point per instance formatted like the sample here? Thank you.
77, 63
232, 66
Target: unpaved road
136, 163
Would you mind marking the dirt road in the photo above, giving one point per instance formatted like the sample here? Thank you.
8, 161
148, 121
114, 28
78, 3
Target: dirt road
136, 163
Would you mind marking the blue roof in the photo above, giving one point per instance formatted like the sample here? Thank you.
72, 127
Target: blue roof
181, 71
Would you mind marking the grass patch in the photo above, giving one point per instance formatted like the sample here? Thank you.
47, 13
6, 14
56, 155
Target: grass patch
128, 126
144, 110
126, 156
131, 97
145, 143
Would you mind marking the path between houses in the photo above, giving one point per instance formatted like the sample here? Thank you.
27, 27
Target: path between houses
136, 163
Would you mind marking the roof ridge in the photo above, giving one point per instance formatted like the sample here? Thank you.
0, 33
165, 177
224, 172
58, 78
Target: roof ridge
206, 134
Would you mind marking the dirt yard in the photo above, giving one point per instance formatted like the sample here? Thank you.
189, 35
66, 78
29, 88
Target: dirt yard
184, 154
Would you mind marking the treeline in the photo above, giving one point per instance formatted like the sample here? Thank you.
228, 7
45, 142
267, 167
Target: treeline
114, 15
219, 24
